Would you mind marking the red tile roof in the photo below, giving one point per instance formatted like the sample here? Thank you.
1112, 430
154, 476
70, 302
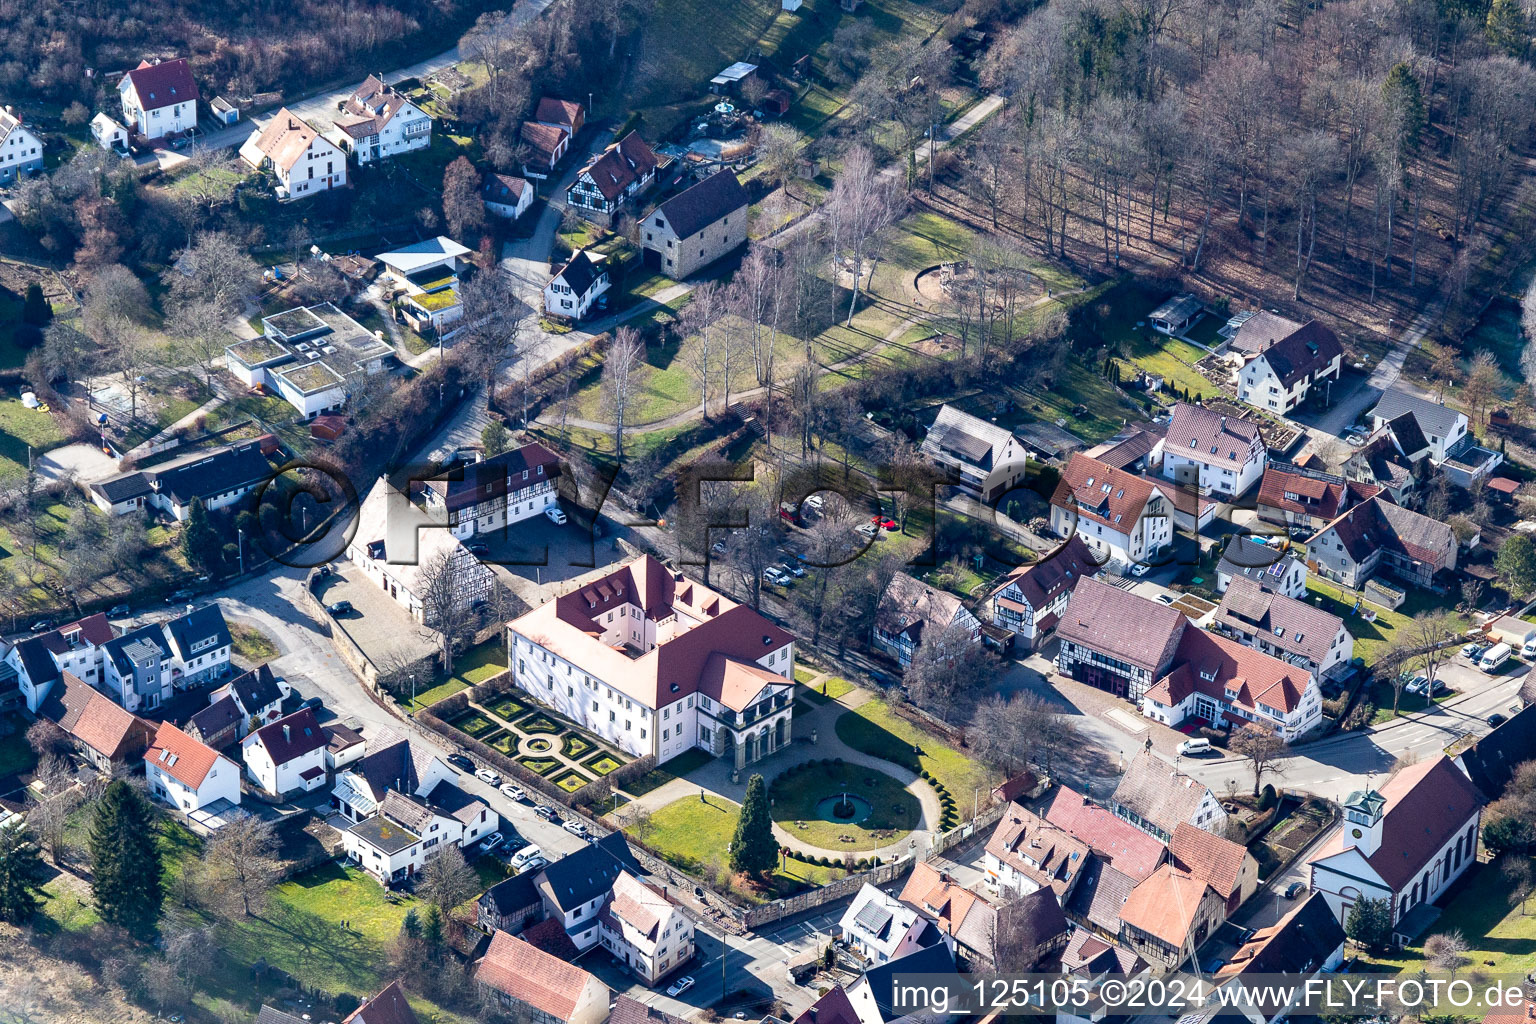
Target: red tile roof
1216, 861
556, 111
1314, 497
390, 1006
1102, 493
1042, 582
1127, 848
532, 976
1165, 905
178, 755
290, 738
544, 138
94, 719
621, 165
1207, 436
1211, 664
163, 84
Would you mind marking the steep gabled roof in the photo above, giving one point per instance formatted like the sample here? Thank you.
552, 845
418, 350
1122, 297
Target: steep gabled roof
285, 139
697, 207
1211, 858
543, 138
1124, 846
1101, 493
1433, 418
1491, 762
1042, 582
36, 652
1246, 558
532, 976
1156, 791
1299, 943
1166, 905
1320, 495
1293, 626
958, 434
216, 717
580, 272
388, 1007
557, 111
1205, 435
93, 719
256, 689
178, 755
203, 628
1305, 351
620, 166
1045, 853
1211, 664
587, 873
1378, 523
909, 607
164, 84
1122, 625
290, 738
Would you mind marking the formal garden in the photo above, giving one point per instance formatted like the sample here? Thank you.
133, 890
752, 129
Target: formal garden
545, 743
836, 806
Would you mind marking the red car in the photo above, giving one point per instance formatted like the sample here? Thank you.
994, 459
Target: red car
883, 523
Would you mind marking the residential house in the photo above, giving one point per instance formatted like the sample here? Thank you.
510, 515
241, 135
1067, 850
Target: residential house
1221, 682
1441, 427
566, 114
136, 668
574, 889
1125, 520
106, 735
303, 161
1469, 464
408, 830
1392, 460
288, 755
645, 929
1405, 842
547, 145
1115, 640
632, 1011
505, 195
525, 979
1287, 628
874, 996
1378, 535
1272, 566
309, 355
403, 550
394, 763
1490, 762
880, 927
1292, 496
257, 693
614, 179
1090, 955
377, 122
187, 774
1177, 314
1252, 331
1213, 453
1156, 797
1119, 844
1227, 867
1284, 374
218, 724
426, 279
576, 287
1032, 597
390, 1006
1026, 853
219, 477
21, 151
1033, 922
656, 663
696, 227
1303, 944
200, 643
988, 460
38, 661
491, 494
159, 99
832, 1007
1168, 916
343, 746
510, 905
909, 608
110, 134
1137, 450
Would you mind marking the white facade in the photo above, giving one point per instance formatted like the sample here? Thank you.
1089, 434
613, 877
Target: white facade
403, 851
1290, 725
287, 777
1290, 580
1139, 539
645, 930
1185, 466
155, 121
221, 783
21, 151
303, 161
406, 129
109, 134
1259, 385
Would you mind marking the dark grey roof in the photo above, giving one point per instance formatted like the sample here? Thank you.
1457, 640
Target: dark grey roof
1291, 625
256, 689
582, 876
580, 273
204, 624
122, 487
392, 766
226, 469
1259, 562
696, 208
1491, 762
1304, 351
384, 834
1434, 419
516, 893
935, 959
446, 798
144, 642
1408, 435
215, 718
272, 1015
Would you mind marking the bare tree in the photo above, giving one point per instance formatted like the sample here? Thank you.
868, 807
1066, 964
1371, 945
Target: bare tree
862, 204
493, 318
699, 325
620, 362
447, 880
54, 797
1447, 951
1516, 872
778, 151
949, 668
215, 270
448, 583
241, 861
1265, 750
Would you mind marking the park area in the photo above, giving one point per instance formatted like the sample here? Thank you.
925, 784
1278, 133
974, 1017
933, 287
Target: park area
874, 728
1501, 938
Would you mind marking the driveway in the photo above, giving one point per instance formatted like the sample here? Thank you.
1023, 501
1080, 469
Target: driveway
84, 463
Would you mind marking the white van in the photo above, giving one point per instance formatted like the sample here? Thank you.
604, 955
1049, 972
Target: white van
1195, 747
521, 858
1494, 657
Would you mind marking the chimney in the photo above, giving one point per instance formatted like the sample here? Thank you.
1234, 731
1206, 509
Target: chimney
287, 737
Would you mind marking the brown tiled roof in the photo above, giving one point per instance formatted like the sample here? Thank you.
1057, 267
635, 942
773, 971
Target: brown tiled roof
1042, 582
95, 720
1298, 943
1126, 447
544, 138
532, 976
638, 905
1092, 955
1059, 857
1378, 523
374, 104
292, 737
1293, 626
1216, 861
180, 756
621, 165
164, 84
1305, 351
338, 737
1212, 664
550, 936
1262, 330
1316, 497
556, 111
388, 1007
1165, 905
286, 138
1121, 625
909, 607
1207, 436
1127, 848
1427, 804
733, 681
1158, 792
833, 1007
966, 915
1100, 895
1102, 493
505, 189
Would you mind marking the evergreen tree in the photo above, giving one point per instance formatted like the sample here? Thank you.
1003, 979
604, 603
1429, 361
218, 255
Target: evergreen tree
754, 850
432, 930
411, 926
1506, 28
496, 438
198, 541
1369, 922
21, 875
36, 310
1405, 103
125, 860
1515, 565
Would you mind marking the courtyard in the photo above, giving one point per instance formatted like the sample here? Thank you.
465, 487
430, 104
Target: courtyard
545, 743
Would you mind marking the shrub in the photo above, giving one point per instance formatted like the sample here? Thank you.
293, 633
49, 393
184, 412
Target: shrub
1267, 797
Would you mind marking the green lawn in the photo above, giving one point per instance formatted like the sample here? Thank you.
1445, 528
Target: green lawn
11, 305
475, 665
829, 689
873, 729
252, 644
21, 428
1172, 360
796, 795
15, 754
1478, 907
1371, 638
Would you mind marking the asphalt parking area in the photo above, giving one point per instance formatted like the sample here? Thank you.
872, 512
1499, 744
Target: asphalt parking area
538, 551
378, 625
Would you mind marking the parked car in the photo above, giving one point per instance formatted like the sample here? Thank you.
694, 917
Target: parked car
546, 812
41, 625
512, 791
1494, 658
1496, 719
1294, 889
1529, 649
509, 848
478, 549
179, 596
1140, 569
868, 530
1194, 746
556, 515
490, 842
1472, 652
1165, 598
531, 864
889, 525
1355, 441
487, 776
313, 702
680, 986
461, 762
523, 856
792, 568
117, 611
575, 827
776, 576
717, 548
1416, 684
339, 608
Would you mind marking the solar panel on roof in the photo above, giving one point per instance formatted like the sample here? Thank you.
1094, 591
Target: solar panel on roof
873, 918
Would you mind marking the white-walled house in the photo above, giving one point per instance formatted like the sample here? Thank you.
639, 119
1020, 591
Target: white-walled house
304, 162
571, 293
494, 493
1156, 797
1406, 842
989, 460
656, 663
1216, 454
1290, 629
1290, 369
910, 609
1273, 567
219, 477
1124, 519
1032, 597
109, 134
39, 661
506, 195
309, 355
645, 929
391, 763
377, 122
21, 151
288, 755
258, 694
159, 99
1443, 428
408, 830
144, 667
1218, 680
187, 774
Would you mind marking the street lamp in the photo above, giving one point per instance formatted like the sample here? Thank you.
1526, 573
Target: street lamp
241, 535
